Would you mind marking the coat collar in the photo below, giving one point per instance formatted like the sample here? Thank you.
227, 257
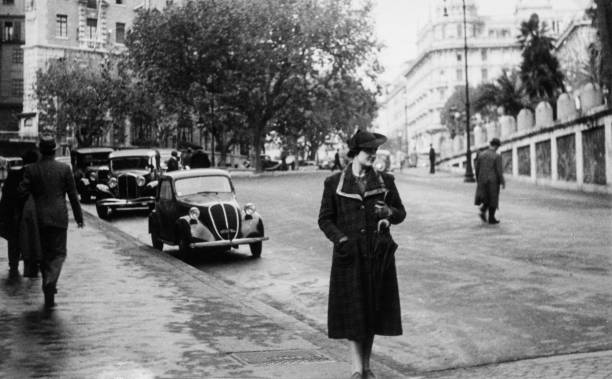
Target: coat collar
347, 185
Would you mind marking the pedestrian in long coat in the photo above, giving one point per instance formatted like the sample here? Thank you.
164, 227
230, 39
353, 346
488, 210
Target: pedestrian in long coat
48, 182
489, 178
356, 202
11, 206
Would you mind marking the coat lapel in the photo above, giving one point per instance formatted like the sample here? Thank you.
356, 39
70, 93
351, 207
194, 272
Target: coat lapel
347, 185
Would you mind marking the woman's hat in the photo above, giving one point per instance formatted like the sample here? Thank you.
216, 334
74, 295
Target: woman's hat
47, 145
366, 140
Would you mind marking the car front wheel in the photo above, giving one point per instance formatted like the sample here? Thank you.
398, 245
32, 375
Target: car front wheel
256, 249
103, 212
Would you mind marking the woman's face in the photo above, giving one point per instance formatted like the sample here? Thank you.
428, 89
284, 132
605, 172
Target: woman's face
366, 157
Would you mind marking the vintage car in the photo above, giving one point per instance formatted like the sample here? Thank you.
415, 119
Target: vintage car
90, 166
131, 183
6, 163
198, 208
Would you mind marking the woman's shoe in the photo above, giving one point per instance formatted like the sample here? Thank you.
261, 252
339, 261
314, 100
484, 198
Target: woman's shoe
368, 374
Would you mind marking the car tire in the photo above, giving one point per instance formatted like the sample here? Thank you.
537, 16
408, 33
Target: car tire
103, 212
157, 243
256, 248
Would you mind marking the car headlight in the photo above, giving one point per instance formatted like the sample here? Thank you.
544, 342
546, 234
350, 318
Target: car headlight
112, 182
194, 213
93, 176
140, 181
249, 209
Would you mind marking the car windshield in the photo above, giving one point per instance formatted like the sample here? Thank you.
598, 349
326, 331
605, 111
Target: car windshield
130, 163
202, 184
96, 159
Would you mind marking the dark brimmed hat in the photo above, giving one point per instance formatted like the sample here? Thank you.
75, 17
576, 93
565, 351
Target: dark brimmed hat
366, 140
47, 145
495, 142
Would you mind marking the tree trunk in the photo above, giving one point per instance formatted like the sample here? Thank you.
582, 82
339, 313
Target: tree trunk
604, 26
257, 144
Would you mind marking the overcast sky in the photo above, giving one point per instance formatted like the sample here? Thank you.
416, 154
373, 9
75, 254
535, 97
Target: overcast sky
397, 21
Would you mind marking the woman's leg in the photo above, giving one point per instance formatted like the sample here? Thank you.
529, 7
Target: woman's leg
367, 351
356, 352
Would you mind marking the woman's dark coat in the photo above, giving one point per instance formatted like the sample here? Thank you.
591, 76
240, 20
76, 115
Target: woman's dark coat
489, 177
352, 311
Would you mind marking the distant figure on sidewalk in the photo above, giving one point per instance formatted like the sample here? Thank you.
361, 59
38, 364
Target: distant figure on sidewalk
358, 205
199, 159
489, 177
173, 162
337, 163
11, 206
48, 182
432, 160
186, 157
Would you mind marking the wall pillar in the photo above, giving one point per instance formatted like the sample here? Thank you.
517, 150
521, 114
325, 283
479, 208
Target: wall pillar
515, 163
608, 141
579, 159
554, 173
534, 161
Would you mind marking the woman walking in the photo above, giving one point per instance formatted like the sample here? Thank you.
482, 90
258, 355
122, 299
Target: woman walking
357, 207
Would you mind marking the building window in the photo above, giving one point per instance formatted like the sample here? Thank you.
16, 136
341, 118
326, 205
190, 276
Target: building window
459, 74
17, 88
485, 74
120, 32
483, 54
118, 1
92, 27
459, 30
8, 2
8, 31
459, 57
61, 26
28, 123
17, 55
92, 4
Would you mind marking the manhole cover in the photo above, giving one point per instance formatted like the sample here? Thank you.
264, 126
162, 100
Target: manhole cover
280, 357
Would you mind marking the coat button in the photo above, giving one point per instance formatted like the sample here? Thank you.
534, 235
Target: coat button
362, 206
362, 231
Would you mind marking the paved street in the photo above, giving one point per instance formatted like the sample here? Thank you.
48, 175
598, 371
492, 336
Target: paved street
473, 295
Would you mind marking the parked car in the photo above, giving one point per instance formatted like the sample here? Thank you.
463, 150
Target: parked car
6, 163
326, 164
198, 209
131, 183
90, 166
269, 164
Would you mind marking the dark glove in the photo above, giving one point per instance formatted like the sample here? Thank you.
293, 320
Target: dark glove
382, 210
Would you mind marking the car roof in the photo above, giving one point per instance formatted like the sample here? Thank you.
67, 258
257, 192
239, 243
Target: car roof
90, 150
181, 174
132, 153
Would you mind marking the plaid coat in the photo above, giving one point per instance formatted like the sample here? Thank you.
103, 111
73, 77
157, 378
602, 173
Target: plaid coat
346, 212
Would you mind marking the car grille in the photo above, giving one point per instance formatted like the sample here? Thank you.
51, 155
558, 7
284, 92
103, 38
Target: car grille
127, 186
225, 220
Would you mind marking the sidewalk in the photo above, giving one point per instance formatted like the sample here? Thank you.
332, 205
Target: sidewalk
128, 311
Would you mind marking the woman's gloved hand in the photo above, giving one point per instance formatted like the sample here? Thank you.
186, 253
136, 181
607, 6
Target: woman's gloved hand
382, 210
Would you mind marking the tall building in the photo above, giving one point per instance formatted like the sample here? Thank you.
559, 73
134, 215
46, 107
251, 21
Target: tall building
12, 17
430, 79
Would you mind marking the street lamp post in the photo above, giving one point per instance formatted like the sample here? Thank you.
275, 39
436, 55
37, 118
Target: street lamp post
469, 173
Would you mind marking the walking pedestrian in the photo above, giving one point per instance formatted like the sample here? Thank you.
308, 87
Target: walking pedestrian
489, 178
432, 160
173, 162
48, 182
11, 206
357, 207
199, 159
337, 163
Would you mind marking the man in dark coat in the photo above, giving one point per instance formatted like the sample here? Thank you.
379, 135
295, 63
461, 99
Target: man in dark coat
48, 182
354, 201
432, 160
173, 163
489, 177
337, 163
199, 159
10, 210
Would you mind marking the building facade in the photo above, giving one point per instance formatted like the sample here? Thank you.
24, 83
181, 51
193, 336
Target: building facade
12, 38
428, 81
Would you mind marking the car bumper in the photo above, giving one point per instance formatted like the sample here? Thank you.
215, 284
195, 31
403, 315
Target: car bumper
236, 241
127, 203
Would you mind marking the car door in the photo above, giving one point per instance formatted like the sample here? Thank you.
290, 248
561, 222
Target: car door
165, 200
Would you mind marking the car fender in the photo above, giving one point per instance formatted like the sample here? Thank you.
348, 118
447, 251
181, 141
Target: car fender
153, 222
196, 229
102, 192
251, 226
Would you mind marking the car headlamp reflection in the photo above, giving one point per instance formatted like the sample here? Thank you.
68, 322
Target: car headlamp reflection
194, 213
249, 209
112, 182
140, 181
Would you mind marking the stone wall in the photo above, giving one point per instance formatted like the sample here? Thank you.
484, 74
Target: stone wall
572, 152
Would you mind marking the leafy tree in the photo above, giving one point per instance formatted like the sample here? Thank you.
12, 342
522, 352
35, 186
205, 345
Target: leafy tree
601, 49
539, 71
253, 58
455, 106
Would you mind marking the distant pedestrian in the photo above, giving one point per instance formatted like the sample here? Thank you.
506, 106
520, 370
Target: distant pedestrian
11, 206
186, 157
489, 177
199, 159
173, 162
337, 163
432, 160
357, 208
48, 182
